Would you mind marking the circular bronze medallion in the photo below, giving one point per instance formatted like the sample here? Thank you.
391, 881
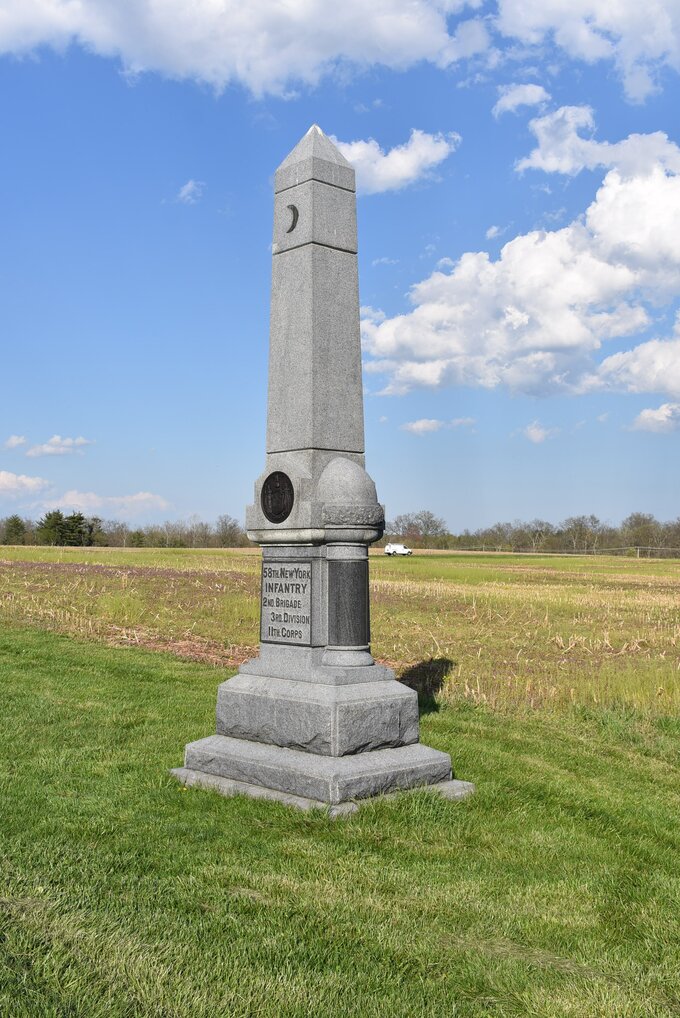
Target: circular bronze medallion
277, 497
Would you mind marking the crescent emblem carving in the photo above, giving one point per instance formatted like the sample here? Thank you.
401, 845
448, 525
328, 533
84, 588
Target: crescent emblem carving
296, 214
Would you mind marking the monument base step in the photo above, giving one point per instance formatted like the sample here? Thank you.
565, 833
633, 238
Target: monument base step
451, 789
326, 779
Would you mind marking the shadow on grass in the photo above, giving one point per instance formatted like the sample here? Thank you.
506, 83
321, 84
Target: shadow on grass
427, 678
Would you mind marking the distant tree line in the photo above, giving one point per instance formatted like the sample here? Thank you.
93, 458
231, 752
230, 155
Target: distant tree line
78, 530
576, 534
420, 530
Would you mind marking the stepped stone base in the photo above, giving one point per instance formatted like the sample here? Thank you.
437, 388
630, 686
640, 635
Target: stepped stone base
453, 790
323, 779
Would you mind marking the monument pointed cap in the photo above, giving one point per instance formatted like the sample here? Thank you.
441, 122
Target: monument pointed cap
315, 157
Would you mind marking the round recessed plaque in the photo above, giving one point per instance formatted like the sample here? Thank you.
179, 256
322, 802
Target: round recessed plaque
277, 497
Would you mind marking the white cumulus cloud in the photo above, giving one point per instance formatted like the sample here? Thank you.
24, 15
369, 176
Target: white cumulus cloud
427, 424
535, 319
124, 506
272, 46
402, 165
511, 97
653, 366
537, 433
58, 446
191, 192
422, 426
16, 485
15, 441
266, 45
562, 148
640, 38
662, 419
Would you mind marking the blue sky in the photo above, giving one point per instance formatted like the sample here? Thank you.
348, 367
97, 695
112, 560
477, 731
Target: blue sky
519, 235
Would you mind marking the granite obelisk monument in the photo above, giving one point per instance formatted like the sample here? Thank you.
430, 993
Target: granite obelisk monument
314, 720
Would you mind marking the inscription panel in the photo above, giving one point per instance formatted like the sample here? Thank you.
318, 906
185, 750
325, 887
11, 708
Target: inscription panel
286, 609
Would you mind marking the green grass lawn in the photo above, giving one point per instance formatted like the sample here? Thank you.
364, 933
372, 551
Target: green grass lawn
553, 891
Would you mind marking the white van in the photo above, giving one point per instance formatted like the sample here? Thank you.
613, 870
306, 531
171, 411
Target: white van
397, 549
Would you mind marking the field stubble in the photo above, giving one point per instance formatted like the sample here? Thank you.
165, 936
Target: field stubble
497, 629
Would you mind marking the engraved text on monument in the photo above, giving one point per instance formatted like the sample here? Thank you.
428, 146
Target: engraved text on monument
286, 602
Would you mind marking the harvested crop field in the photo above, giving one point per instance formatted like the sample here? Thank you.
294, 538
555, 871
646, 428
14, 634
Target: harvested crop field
503, 630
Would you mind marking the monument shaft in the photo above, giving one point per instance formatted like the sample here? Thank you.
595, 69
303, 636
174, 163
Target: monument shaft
314, 716
315, 399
